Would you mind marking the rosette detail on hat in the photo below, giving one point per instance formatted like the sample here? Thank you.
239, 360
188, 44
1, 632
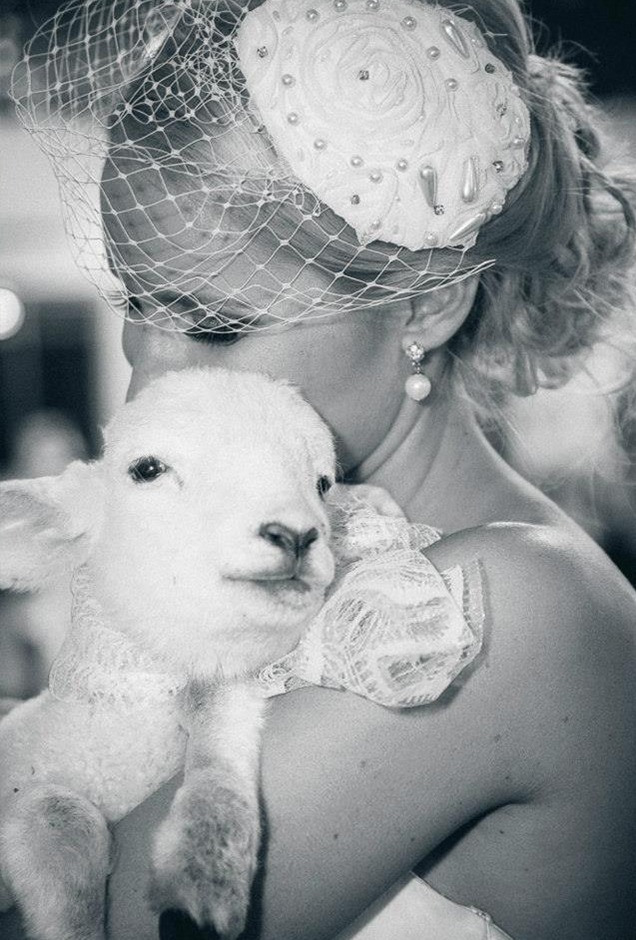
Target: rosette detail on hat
395, 114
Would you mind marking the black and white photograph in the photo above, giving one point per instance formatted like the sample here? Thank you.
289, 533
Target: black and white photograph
317, 470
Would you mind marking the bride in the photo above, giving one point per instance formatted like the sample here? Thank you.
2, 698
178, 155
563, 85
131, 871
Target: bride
402, 210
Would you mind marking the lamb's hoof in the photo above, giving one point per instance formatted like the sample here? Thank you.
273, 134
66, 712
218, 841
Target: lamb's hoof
204, 860
175, 925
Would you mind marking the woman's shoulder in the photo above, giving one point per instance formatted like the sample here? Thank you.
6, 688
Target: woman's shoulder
554, 603
553, 569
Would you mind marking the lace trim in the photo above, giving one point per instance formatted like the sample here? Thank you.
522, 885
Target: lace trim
98, 664
393, 628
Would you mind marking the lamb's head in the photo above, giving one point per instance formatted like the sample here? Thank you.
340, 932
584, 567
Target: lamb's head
215, 535
212, 542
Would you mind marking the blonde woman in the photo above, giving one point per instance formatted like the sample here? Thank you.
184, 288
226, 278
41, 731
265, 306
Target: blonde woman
461, 241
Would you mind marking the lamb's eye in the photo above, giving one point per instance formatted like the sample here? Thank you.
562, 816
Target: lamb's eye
146, 469
323, 486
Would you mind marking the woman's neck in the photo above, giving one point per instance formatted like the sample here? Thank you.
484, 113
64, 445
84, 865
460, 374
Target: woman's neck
439, 466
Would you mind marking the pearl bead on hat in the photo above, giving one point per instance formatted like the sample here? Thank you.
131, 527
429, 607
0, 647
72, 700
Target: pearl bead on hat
417, 118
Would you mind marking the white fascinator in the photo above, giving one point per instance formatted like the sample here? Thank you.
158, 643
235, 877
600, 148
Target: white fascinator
393, 112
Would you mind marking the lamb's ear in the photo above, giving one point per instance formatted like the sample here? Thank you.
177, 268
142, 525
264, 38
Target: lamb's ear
47, 525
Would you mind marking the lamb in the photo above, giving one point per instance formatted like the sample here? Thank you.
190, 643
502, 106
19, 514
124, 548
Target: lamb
201, 550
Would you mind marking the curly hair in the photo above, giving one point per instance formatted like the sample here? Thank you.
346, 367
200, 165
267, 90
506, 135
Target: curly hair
564, 244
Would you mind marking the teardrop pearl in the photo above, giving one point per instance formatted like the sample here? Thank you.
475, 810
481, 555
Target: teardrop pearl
418, 387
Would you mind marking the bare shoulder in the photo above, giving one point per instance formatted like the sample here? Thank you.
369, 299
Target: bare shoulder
538, 577
560, 627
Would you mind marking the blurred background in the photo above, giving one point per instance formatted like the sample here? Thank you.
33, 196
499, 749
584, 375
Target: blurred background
62, 371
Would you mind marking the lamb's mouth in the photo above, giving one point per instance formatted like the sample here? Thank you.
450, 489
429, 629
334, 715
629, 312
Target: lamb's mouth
277, 586
282, 585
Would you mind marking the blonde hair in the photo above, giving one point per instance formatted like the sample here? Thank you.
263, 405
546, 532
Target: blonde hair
564, 244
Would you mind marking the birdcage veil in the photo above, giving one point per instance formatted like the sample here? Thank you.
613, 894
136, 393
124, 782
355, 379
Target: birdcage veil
226, 165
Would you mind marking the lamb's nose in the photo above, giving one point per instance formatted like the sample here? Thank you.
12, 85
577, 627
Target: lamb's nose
291, 541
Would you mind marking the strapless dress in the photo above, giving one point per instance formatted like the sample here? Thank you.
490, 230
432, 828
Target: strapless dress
412, 910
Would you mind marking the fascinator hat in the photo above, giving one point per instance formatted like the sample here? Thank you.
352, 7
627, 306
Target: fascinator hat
225, 165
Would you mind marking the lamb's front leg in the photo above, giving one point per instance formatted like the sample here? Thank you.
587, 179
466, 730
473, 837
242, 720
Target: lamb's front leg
205, 852
55, 853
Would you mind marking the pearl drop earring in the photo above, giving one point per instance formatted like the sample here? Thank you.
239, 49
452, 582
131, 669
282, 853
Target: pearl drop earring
417, 386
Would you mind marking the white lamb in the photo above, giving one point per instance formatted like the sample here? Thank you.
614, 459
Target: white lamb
201, 547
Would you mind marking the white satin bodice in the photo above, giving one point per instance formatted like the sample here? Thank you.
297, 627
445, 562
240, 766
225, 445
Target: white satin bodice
412, 910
